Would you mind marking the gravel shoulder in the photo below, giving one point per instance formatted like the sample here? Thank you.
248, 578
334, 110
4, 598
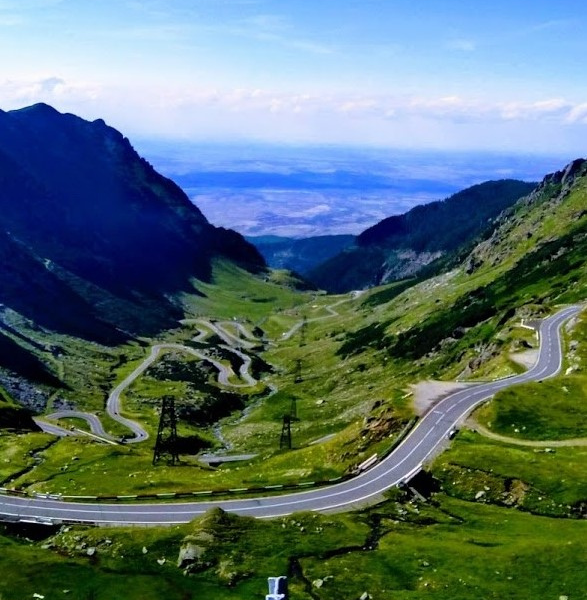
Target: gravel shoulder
428, 393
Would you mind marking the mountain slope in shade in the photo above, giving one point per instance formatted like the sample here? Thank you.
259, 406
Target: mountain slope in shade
300, 255
92, 239
94, 243
402, 245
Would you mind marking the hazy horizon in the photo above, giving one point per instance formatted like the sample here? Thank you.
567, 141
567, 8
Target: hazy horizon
358, 87
305, 191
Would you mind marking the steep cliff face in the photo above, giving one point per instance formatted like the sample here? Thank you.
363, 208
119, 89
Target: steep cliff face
93, 241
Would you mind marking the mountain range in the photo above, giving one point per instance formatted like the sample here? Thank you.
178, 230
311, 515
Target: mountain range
96, 245
533, 259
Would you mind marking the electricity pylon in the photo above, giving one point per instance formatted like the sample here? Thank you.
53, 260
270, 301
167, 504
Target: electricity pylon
166, 443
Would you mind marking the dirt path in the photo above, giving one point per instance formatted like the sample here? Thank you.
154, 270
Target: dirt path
473, 424
329, 309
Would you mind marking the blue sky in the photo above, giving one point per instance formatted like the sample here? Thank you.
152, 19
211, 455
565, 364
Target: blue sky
447, 74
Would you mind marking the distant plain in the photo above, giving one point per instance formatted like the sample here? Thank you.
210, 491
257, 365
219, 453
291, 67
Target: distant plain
304, 191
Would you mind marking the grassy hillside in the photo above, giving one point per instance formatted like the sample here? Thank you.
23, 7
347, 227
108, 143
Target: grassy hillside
459, 321
75, 198
348, 369
448, 550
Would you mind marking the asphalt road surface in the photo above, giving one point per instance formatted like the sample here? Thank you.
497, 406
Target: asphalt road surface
113, 404
425, 440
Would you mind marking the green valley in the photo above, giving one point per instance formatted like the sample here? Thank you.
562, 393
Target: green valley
303, 388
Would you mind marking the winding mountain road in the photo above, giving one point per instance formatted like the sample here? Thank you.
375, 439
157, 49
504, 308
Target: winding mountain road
243, 339
423, 442
113, 404
329, 309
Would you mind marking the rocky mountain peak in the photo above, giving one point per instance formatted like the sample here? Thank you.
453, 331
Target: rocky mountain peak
522, 224
567, 176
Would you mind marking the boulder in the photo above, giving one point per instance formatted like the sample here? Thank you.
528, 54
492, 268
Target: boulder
192, 555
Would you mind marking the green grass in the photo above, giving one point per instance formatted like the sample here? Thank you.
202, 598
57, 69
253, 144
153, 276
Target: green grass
442, 325
32, 570
17, 452
479, 552
552, 410
449, 550
236, 293
336, 390
82, 467
331, 398
236, 556
334, 395
541, 481
471, 549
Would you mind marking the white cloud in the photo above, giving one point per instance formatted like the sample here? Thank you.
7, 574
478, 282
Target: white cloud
444, 106
555, 108
577, 114
461, 44
51, 85
247, 100
313, 211
51, 89
360, 106
264, 114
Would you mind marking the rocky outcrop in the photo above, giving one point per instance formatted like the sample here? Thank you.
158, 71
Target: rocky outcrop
519, 224
206, 548
194, 552
567, 176
16, 418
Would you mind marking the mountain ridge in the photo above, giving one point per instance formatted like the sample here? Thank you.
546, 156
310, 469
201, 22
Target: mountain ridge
532, 261
94, 242
401, 246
